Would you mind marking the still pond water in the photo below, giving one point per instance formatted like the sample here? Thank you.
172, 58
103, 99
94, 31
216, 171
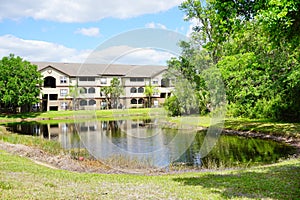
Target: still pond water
147, 142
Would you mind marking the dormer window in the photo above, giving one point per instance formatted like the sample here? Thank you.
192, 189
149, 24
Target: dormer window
63, 79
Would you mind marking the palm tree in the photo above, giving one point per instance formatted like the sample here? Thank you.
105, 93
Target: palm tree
116, 91
149, 91
74, 92
112, 93
106, 91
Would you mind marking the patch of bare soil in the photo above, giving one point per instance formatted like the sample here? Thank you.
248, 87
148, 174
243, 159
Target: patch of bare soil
64, 162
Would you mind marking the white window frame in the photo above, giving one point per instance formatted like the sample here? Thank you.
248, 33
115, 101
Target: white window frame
63, 79
63, 92
63, 105
155, 81
103, 81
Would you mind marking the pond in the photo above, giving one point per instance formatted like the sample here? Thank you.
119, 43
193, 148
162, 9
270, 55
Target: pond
124, 142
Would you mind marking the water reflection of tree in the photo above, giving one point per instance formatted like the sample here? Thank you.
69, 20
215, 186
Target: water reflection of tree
233, 151
114, 128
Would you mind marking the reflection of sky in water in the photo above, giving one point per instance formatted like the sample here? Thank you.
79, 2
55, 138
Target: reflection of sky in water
134, 139
146, 140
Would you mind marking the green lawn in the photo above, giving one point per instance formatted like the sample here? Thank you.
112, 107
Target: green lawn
100, 114
20, 178
264, 126
243, 124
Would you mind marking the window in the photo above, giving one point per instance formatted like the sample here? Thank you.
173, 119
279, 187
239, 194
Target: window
92, 102
53, 97
141, 101
133, 90
165, 82
63, 92
91, 79
133, 101
86, 78
93, 128
63, 79
84, 128
82, 78
53, 108
49, 82
64, 105
136, 79
155, 81
83, 90
103, 81
91, 90
162, 95
140, 90
83, 102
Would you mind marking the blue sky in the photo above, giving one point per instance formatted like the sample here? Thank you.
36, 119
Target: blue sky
68, 31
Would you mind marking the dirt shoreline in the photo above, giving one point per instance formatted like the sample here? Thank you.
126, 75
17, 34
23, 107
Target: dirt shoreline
65, 162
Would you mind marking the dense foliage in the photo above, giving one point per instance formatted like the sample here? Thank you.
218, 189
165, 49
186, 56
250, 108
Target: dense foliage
19, 83
256, 47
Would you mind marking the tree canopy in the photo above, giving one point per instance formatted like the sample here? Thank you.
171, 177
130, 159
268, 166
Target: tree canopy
255, 45
20, 83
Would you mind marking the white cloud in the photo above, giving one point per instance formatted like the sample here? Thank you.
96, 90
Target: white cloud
155, 25
130, 55
91, 32
34, 50
81, 10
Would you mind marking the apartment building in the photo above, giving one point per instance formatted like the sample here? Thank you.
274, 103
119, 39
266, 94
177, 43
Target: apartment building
78, 86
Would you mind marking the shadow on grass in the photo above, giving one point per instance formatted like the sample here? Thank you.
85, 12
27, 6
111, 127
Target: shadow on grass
277, 182
265, 126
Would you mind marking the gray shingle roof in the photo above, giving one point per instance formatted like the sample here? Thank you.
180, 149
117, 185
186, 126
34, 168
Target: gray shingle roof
78, 69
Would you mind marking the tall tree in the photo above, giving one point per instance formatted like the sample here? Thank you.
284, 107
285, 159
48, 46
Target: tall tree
255, 45
116, 91
149, 91
74, 92
20, 83
106, 91
112, 93
205, 32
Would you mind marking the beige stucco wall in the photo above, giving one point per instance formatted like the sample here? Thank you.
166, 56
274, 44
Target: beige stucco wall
125, 99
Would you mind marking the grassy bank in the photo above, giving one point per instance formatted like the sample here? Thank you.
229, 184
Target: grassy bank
20, 178
264, 126
256, 125
69, 113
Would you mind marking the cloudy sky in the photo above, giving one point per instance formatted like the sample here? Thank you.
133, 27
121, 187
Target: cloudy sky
69, 31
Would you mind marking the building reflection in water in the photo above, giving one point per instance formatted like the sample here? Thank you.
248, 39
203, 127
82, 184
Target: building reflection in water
135, 139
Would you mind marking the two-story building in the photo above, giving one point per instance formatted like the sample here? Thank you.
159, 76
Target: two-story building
78, 86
